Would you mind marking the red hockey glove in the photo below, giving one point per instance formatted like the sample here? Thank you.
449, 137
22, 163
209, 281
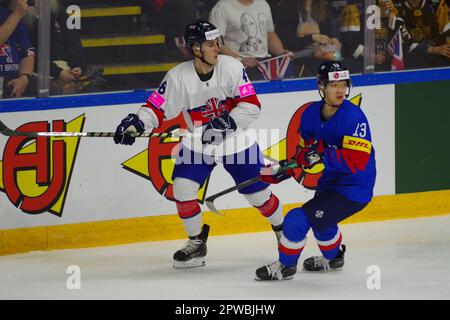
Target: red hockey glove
269, 175
308, 157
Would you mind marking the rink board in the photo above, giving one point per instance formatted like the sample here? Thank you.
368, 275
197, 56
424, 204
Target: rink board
105, 181
168, 227
70, 193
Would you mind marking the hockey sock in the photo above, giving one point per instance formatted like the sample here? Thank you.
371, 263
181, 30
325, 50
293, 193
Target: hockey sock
190, 214
329, 241
293, 240
272, 210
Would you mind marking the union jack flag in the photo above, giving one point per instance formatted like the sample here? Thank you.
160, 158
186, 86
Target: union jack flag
5, 51
212, 109
395, 49
275, 68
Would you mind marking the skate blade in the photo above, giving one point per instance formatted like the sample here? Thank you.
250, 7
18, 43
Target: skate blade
323, 270
193, 263
259, 279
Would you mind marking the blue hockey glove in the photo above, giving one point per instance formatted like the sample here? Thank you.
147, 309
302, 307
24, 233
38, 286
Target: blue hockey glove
218, 128
130, 124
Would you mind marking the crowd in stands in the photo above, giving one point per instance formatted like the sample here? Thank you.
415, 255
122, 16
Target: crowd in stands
69, 70
312, 31
302, 33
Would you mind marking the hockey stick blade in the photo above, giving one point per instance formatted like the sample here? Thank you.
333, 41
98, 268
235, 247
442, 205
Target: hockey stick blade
5, 130
210, 200
8, 132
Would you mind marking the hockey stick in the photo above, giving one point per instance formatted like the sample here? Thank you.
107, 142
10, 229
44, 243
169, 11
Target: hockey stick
276, 57
294, 55
8, 132
276, 168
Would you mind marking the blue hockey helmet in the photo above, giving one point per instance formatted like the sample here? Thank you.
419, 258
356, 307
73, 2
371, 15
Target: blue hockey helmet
200, 31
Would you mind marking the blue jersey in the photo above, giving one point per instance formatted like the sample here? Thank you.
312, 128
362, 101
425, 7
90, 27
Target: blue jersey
16, 48
345, 142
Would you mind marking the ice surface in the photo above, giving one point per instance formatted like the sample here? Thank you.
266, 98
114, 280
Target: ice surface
413, 256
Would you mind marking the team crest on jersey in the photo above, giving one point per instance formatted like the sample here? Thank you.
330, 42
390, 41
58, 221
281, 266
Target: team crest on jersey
213, 108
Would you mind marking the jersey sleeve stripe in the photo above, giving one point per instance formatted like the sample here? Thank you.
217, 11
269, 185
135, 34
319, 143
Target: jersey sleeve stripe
253, 99
355, 159
158, 112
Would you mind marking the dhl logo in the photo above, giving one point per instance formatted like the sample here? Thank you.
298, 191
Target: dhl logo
358, 144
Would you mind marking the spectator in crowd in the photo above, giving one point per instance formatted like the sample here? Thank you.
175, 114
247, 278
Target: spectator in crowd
306, 25
68, 64
148, 15
248, 31
352, 34
351, 31
427, 47
171, 16
16, 52
443, 19
204, 7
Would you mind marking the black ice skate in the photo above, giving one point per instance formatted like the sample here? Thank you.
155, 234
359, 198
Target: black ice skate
193, 254
278, 231
320, 264
275, 271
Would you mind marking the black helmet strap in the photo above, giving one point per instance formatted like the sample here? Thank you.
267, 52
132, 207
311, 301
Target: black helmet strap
322, 85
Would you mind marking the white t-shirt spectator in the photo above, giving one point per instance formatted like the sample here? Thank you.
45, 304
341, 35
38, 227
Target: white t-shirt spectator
244, 27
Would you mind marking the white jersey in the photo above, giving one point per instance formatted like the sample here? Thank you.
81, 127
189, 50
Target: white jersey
244, 27
229, 89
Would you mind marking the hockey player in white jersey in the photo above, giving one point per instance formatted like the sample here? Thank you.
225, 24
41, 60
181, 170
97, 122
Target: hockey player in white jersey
219, 104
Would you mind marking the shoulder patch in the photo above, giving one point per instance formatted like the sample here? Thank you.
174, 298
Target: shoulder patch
246, 90
156, 99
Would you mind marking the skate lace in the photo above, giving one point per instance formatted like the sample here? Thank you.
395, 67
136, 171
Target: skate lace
321, 262
191, 245
274, 269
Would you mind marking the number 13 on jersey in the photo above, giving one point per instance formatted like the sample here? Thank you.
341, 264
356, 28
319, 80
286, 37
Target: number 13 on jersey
361, 130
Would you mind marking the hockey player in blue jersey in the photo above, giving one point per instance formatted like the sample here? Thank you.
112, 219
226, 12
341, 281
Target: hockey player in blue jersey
336, 133
219, 104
